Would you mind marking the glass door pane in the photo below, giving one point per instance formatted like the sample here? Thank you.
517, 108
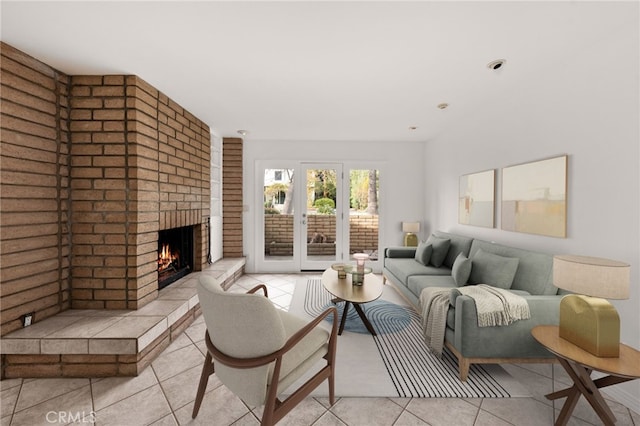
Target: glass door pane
320, 234
364, 205
278, 214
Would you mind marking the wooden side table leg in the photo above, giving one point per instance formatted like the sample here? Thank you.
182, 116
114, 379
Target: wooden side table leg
568, 407
593, 395
583, 385
573, 394
364, 319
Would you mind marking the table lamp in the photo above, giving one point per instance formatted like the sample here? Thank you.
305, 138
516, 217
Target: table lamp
410, 229
586, 319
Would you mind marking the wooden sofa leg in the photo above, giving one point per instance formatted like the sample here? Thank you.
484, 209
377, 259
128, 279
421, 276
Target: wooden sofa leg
463, 366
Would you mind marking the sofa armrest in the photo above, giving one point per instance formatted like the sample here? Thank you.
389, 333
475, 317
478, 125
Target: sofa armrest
400, 252
513, 340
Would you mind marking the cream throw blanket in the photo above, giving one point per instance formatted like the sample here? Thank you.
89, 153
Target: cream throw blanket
495, 307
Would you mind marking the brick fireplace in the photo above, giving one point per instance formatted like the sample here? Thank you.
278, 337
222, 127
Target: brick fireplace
93, 168
175, 254
139, 165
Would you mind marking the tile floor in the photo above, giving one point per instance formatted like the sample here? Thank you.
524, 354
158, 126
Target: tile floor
164, 393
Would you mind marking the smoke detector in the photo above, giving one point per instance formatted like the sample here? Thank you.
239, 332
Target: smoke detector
497, 64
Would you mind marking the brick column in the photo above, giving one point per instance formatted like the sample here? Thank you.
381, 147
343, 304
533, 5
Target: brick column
34, 263
140, 164
232, 197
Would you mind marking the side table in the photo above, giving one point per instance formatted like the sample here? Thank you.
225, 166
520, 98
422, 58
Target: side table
579, 364
344, 291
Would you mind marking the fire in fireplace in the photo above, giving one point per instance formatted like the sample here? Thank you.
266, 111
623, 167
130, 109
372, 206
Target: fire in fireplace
175, 255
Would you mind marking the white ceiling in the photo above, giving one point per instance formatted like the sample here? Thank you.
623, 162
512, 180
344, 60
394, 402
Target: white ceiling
316, 70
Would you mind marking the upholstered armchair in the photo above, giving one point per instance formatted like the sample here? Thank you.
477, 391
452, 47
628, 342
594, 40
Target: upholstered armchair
259, 351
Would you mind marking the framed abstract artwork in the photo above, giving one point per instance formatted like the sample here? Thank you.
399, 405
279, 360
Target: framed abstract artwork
477, 199
534, 197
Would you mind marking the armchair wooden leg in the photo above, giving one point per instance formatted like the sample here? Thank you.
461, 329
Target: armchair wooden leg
207, 370
332, 393
269, 416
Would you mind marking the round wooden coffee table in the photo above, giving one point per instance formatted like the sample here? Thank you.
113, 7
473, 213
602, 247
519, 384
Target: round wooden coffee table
345, 291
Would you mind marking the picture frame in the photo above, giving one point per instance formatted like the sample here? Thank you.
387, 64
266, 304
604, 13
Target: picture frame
534, 197
476, 199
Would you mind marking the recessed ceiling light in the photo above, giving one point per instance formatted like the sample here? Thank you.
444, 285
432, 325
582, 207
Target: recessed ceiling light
242, 132
497, 64
443, 105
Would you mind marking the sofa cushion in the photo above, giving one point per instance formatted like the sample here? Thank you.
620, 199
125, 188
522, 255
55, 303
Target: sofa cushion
417, 283
400, 252
461, 270
535, 269
402, 269
423, 253
489, 268
459, 244
440, 250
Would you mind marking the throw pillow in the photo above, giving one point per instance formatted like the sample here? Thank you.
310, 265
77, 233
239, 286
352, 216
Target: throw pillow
440, 249
461, 270
489, 268
423, 253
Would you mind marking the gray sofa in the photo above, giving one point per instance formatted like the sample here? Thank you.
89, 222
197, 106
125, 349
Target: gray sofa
532, 279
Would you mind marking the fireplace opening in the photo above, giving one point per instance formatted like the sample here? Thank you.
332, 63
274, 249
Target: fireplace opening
175, 255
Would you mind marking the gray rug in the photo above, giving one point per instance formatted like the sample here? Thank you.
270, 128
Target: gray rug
396, 362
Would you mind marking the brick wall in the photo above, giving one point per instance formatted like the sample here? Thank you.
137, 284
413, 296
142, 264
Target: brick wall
34, 208
278, 228
363, 231
321, 224
92, 168
232, 197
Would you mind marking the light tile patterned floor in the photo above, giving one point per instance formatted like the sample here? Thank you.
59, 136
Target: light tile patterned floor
163, 394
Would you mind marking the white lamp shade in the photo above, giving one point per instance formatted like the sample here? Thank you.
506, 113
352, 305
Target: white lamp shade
361, 256
412, 227
592, 276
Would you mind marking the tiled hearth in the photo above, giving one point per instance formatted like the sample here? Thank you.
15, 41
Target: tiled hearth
99, 343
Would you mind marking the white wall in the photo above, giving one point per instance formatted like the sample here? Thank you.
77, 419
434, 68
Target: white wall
400, 166
215, 221
585, 105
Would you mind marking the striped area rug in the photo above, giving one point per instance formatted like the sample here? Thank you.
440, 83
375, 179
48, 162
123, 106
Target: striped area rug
413, 371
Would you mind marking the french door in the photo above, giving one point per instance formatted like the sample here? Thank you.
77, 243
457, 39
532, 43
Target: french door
315, 214
322, 215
